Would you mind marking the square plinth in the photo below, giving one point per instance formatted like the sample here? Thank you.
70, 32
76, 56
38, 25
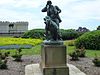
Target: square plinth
53, 55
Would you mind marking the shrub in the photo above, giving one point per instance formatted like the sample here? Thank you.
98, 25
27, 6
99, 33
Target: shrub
98, 28
3, 60
74, 56
89, 40
34, 33
3, 64
78, 53
81, 52
69, 34
96, 61
40, 33
18, 55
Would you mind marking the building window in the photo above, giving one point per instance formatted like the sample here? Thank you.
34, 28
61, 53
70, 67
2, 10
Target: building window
11, 25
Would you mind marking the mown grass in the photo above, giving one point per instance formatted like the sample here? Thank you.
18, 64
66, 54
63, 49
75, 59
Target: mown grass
33, 51
71, 48
89, 53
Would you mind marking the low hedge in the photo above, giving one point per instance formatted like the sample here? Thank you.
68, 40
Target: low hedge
40, 34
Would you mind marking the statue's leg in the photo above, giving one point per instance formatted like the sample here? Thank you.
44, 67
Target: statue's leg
59, 19
58, 30
46, 28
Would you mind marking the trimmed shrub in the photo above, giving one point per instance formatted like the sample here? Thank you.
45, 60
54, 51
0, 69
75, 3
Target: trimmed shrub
40, 34
96, 61
74, 56
89, 40
3, 60
34, 33
18, 55
69, 34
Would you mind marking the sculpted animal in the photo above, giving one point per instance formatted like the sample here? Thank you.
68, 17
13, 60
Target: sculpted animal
52, 28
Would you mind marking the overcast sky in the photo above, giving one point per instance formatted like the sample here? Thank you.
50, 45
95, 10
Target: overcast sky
75, 13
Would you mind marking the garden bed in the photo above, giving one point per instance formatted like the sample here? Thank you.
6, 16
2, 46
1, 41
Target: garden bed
18, 68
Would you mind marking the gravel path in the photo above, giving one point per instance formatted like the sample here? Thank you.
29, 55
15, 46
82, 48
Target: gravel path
86, 65
18, 68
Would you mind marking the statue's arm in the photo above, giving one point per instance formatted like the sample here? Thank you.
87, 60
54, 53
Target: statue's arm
44, 9
59, 10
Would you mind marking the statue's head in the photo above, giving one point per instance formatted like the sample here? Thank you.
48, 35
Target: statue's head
47, 20
49, 2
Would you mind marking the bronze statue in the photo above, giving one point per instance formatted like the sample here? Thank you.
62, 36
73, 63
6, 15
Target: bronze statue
52, 21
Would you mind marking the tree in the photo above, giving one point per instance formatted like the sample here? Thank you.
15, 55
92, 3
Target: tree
84, 29
98, 28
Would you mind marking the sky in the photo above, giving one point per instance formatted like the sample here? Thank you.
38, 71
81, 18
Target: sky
75, 13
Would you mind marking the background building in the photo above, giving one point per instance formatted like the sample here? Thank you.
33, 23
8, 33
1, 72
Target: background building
13, 28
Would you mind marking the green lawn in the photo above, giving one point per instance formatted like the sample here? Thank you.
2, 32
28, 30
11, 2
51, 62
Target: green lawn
33, 51
89, 53
36, 50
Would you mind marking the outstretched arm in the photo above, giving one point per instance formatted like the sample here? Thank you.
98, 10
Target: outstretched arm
44, 9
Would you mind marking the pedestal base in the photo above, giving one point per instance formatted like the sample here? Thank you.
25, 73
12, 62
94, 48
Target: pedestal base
60, 70
34, 69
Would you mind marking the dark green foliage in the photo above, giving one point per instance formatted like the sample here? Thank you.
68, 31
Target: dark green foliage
70, 34
96, 61
18, 55
74, 56
3, 60
4, 55
81, 52
89, 40
98, 28
82, 29
35, 33
3, 64
40, 33
78, 53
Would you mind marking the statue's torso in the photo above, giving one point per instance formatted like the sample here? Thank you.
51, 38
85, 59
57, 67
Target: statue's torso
51, 11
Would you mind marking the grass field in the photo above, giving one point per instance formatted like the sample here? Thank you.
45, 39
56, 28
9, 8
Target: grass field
36, 51
89, 53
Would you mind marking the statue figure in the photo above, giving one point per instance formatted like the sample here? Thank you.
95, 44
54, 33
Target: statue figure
52, 12
54, 18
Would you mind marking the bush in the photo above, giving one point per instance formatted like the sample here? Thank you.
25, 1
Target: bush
18, 55
3, 60
69, 34
40, 33
89, 40
74, 56
96, 61
3, 64
34, 33
81, 52
78, 53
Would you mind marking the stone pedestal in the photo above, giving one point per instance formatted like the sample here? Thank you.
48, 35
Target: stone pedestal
53, 59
